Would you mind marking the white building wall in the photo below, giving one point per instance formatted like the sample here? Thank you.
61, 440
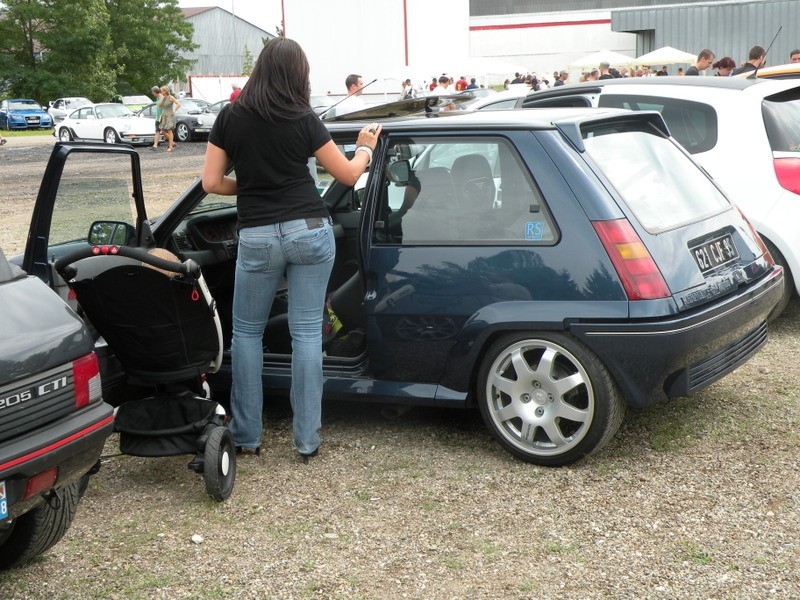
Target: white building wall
368, 37
548, 42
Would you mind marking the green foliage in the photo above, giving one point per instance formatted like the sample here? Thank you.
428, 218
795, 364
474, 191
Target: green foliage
247, 61
93, 48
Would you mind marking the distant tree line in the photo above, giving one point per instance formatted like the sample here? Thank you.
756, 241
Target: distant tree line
92, 48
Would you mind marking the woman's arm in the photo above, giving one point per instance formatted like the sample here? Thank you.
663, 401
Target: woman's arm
348, 171
214, 179
177, 104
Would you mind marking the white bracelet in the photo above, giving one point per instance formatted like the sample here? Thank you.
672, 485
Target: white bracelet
368, 150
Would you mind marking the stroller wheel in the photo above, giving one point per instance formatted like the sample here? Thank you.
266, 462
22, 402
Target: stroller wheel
219, 471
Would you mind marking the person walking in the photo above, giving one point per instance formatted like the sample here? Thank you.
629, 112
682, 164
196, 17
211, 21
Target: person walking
169, 105
269, 134
704, 60
156, 91
756, 59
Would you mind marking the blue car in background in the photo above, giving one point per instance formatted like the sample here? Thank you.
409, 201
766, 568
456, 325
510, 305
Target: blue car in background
23, 113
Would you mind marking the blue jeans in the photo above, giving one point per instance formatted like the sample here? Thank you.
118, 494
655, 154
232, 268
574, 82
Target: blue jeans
265, 253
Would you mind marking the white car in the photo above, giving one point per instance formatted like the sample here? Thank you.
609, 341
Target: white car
109, 122
59, 109
744, 132
504, 100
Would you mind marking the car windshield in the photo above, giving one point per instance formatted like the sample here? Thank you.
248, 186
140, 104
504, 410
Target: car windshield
110, 111
192, 104
136, 100
24, 105
782, 120
660, 184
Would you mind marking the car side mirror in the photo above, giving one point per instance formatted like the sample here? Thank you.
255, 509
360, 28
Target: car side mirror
399, 172
117, 233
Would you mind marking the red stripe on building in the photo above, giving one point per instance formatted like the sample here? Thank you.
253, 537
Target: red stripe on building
531, 25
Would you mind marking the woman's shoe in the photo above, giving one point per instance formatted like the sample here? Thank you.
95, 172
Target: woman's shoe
306, 457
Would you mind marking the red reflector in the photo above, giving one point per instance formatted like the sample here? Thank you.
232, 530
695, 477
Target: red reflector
788, 172
40, 483
636, 268
86, 376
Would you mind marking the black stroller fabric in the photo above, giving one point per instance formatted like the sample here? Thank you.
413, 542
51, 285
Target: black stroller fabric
159, 326
163, 426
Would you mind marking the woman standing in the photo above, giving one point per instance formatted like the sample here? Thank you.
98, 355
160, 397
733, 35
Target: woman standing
169, 105
269, 134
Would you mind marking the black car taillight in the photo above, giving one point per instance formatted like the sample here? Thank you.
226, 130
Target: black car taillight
788, 172
636, 268
86, 376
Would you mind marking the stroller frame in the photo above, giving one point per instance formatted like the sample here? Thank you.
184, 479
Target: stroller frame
160, 320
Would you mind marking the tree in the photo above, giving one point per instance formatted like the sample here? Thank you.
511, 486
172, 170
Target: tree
149, 36
247, 61
93, 48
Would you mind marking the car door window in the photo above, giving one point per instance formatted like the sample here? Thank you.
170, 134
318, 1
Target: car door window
89, 192
470, 191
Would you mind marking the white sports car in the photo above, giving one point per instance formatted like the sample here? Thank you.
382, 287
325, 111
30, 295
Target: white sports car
110, 122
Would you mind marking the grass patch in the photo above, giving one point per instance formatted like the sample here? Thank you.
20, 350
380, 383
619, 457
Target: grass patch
25, 133
695, 554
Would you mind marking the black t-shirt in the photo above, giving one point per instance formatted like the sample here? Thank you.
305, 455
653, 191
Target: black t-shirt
692, 71
745, 68
273, 183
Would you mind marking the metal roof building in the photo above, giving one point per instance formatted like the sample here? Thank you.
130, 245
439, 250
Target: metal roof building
222, 38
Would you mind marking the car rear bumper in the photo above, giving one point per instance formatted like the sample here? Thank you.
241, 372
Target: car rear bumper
653, 360
72, 444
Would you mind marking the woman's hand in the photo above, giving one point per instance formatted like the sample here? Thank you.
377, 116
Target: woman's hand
368, 136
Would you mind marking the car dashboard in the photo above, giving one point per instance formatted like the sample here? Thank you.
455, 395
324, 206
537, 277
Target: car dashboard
208, 238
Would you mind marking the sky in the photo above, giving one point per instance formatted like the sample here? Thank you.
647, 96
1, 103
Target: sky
265, 14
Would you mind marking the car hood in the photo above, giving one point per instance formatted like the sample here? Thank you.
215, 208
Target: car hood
28, 111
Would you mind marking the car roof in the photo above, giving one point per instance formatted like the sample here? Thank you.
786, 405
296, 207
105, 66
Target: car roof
764, 87
543, 118
787, 71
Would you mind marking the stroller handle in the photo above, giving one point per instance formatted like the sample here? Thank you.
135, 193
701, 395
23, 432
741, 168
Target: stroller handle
63, 265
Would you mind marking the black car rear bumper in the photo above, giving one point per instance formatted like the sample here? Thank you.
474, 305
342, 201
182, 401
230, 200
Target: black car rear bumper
72, 444
653, 360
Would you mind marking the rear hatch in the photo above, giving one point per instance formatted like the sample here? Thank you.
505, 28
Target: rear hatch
700, 244
781, 114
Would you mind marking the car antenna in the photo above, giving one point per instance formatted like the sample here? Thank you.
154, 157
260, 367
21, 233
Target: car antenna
754, 75
325, 112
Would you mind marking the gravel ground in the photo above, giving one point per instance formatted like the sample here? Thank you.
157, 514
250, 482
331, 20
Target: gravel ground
695, 498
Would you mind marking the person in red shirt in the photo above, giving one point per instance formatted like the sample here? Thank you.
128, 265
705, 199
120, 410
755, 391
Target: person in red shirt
434, 83
461, 84
237, 89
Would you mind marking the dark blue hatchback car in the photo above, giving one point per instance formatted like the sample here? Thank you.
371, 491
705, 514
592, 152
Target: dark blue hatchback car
547, 267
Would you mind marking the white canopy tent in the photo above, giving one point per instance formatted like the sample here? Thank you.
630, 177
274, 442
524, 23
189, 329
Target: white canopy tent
666, 56
614, 59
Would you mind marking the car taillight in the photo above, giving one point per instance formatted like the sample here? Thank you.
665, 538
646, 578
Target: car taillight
788, 172
40, 483
636, 268
86, 376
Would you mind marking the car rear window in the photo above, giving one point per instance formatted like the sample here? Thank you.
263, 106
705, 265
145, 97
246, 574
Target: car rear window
782, 120
692, 124
661, 185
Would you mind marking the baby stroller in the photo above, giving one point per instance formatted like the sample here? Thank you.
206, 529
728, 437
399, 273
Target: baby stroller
158, 317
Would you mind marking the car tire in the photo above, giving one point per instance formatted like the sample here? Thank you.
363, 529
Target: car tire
39, 529
182, 132
110, 136
547, 399
788, 281
219, 463
65, 135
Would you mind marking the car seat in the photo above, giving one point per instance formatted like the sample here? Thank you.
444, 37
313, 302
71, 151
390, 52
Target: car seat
475, 189
430, 217
158, 317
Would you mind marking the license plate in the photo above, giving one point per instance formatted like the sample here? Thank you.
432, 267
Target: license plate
714, 253
3, 501
32, 119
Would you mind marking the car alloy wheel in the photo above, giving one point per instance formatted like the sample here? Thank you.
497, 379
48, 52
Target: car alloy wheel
182, 132
547, 399
110, 136
64, 134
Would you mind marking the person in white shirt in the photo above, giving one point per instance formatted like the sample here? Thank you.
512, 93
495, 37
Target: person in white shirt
354, 101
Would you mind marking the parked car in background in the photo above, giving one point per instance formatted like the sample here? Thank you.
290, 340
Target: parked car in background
59, 109
109, 122
547, 268
135, 103
192, 121
319, 104
217, 106
744, 132
505, 100
23, 113
53, 421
